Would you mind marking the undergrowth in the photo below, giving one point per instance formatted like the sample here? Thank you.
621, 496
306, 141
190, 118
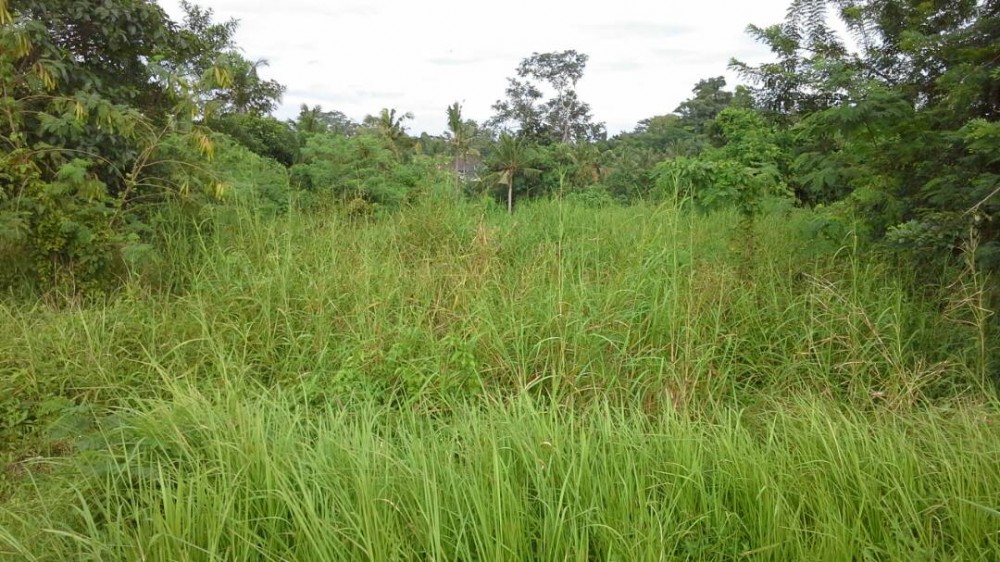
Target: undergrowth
452, 383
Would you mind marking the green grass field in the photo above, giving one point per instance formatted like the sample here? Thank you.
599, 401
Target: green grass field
451, 383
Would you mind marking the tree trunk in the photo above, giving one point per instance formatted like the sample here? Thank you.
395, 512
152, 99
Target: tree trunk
510, 194
460, 168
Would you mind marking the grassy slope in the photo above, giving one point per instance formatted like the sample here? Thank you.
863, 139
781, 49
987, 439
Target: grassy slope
452, 384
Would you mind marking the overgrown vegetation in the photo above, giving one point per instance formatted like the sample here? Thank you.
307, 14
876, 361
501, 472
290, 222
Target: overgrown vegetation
553, 358
759, 327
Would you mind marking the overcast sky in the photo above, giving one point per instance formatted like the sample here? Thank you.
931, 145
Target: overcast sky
360, 56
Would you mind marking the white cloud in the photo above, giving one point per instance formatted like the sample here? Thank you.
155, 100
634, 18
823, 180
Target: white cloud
357, 56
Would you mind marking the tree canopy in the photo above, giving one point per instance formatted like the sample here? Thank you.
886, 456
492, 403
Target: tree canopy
560, 118
895, 134
102, 115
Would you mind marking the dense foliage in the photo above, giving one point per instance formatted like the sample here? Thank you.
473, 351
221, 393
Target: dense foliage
98, 108
894, 140
900, 135
760, 326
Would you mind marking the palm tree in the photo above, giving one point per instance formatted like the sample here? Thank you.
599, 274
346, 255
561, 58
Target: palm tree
586, 157
389, 126
313, 120
247, 92
460, 135
455, 121
511, 157
310, 120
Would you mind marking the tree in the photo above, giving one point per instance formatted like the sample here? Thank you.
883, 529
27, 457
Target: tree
892, 136
627, 170
313, 120
389, 125
458, 130
814, 68
100, 122
246, 92
562, 118
511, 158
710, 98
261, 134
105, 50
70, 72
461, 135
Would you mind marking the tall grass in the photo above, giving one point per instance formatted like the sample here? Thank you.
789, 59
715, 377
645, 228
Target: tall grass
452, 383
268, 478
451, 299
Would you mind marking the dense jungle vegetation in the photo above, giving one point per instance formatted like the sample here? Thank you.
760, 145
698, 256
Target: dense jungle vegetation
758, 327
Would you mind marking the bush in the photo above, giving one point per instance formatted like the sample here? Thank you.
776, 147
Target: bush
264, 136
365, 168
